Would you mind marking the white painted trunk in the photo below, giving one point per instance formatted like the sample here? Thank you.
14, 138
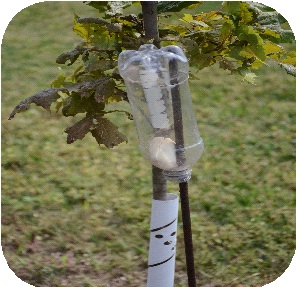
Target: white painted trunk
162, 249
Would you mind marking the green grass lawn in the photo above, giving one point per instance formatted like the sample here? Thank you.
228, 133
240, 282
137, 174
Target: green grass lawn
78, 215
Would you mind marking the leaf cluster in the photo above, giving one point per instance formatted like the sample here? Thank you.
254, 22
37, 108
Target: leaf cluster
240, 37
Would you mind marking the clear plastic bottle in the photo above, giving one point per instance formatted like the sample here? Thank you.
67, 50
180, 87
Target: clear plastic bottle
160, 99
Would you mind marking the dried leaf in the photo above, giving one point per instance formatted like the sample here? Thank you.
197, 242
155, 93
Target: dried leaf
105, 90
226, 65
70, 56
103, 130
116, 7
115, 27
43, 98
91, 20
86, 89
99, 65
107, 133
175, 6
79, 130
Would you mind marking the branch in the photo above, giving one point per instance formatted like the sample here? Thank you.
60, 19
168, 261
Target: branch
290, 69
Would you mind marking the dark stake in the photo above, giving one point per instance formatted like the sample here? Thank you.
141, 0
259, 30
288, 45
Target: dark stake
185, 207
183, 186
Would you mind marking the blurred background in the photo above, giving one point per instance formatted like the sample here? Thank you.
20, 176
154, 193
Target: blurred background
78, 215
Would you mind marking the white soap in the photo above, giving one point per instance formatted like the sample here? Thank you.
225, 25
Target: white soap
162, 153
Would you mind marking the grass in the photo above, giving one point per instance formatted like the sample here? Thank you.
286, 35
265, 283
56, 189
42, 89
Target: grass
78, 215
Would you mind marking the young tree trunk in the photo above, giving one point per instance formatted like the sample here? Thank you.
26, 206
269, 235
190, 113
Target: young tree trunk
150, 20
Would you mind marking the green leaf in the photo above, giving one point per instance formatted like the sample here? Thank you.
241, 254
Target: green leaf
91, 31
247, 33
233, 7
100, 5
259, 51
250, 77
76, 73
201, 60
271, 21
268, 33
43, 98
187, 18
80, 29
209, 17
175, 6
256, 64
76, 104
226, 31
59, 81
289, 60
272, 48
245, 14
246, 52
174, 30
62, 101
102, 39
287, 36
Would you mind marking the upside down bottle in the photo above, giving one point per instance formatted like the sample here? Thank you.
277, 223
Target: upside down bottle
157, 86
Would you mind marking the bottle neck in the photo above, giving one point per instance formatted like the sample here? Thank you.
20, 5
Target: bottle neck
178, 176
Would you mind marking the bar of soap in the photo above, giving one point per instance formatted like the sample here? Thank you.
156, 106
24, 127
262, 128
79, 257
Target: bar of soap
162, 153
